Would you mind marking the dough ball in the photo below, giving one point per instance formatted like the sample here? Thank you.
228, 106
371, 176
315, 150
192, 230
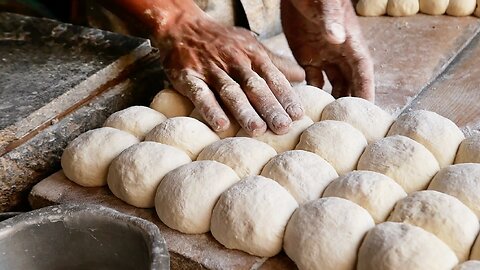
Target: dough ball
337, 142
393, 246
305, 175
404, 160
313, 100
440, 135
468, 265
86, 159
245, 156
469, 150
185, 133
136, 120
231, 130
461, 7
461, 181
285, 142
373, 191
134, 175
372, 7
400, 8
186, 196
326, 234
252, 215
171, 103
433, 7
363, 115
441, 214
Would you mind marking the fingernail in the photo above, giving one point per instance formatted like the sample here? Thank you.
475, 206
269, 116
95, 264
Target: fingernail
256, 127
295, 111
281, 124
221, 124
337, 33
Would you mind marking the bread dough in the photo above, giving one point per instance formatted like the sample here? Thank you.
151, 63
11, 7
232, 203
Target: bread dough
285, 142
441, 214
363, 115
136, 120
326, 234
399, 8
337, 142
231, 130
461, 181
461, 7
185, 133
469, 150
171, 103
134, 175
372, 7
404, 160
245, 156
86, 159
433, 7
468, 265
313, 100
252, 215
440, 135
393, 246
186, 196
305, 175
373, 191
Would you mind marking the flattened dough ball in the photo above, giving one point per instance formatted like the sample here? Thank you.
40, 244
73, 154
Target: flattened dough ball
372, 7
441, 214
136, 120
433, 7
375, 192
363, 115
461, 181
469, 150
186, 196
314, 100
171, 103
438, 134
252, 215
86, 159
404, 160
305, 175
231, 131
326, 234
468, 265
393, 246
185, 133
400, 8
339, 143
461, 8
245, 156
284, 142
134, 175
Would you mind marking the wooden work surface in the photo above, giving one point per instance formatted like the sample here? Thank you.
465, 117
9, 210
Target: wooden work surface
422, 62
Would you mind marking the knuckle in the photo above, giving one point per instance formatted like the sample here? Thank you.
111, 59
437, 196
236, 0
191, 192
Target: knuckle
228, 89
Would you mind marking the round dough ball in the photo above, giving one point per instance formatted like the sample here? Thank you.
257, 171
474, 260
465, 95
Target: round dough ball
285, 142
373, 191
441, 214
231, 131
372, 7
134, 175
326, 234
433, 7
305, 175
363, 115
313, 100
461, 181
252, 215
404, 160
468, 265
399, 8
393, 246
186, 196
86, 159
438, 134
460, 8
337, 142
185, 133
469, 150
136, 120
171, 103
245, 156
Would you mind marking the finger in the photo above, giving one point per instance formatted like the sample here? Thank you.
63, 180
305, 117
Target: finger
292, 71
237, 102
315, 76
339, 85
363, 78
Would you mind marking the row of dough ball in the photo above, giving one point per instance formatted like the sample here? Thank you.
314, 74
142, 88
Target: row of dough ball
398, 8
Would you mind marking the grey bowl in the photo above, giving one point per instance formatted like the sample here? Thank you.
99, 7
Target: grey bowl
80, 237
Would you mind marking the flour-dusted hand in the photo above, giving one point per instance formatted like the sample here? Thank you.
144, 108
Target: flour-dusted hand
325, 36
